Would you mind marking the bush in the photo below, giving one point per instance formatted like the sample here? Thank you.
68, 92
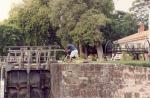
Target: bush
126, 57
92, 58
60, 55
141, 57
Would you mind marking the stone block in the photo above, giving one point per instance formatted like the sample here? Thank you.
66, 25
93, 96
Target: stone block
128, 95
99, 81
136, 95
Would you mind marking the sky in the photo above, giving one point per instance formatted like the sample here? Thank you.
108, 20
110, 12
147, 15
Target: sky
123, 5
6, 5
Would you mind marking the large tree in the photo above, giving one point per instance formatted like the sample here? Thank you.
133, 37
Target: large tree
32, 17
69, 15
87, 30
123, 24
64, 16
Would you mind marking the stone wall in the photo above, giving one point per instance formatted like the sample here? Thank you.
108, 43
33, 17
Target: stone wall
99, 81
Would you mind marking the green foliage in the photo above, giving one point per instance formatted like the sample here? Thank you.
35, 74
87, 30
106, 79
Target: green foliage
9, 35
73, 21
141, 57
122, 24
126, 57
60, 55
104, 6
64, 15
80, 21
87, 29
40, 19
32, 17
77, 21
83, 22
126, 25
70, 17
92, 58
131, 63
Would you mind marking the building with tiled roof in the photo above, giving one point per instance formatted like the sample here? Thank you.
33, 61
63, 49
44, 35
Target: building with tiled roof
137, 40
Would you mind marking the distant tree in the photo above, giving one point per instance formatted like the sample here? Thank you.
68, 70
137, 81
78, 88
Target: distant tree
32, 17
123, 24
9, 35
140, 11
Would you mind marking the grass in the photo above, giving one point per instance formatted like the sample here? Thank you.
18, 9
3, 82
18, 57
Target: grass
139, 63
132, 63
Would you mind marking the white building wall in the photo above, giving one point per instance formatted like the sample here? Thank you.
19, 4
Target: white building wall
136, 44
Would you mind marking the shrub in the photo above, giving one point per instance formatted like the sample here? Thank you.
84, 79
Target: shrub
141, 57
126, 57
92, 57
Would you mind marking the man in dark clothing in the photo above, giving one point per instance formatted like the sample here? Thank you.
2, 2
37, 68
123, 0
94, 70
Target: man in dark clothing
72, 51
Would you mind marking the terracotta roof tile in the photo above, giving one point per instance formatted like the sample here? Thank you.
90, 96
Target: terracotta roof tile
133, 37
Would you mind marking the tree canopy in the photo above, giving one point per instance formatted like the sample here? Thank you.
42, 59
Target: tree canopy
87, 29
78, 20
82, 22
123, 24
32, 17
141, 11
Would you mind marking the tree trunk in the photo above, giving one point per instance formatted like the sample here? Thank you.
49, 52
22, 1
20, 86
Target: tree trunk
99, 52
81, 54
85, 52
